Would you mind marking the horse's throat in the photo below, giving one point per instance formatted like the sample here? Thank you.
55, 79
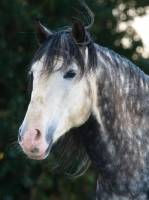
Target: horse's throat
95, 146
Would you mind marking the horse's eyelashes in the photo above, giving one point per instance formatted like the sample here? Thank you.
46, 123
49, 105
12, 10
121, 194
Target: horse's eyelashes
70, 74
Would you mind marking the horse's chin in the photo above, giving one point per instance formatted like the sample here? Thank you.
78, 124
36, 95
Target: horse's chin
43, 155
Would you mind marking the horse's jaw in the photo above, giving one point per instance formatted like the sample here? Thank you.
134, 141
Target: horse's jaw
37, 136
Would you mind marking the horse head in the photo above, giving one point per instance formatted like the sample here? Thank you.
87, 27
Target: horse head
61, 95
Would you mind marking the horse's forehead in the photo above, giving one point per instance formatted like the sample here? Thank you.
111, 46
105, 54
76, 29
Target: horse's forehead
40, 64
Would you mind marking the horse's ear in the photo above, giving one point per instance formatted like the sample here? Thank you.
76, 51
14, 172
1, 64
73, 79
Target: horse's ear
78, 30
42, 33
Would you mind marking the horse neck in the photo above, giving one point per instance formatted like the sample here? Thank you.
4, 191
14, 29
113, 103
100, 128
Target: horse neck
91, 132
91, 137
117, 89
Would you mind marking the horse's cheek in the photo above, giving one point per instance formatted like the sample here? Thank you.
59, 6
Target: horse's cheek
82, 112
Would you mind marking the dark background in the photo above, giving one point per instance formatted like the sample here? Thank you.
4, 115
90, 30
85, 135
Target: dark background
21, 179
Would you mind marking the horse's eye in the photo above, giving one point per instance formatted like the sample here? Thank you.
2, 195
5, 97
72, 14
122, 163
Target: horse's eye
70, 74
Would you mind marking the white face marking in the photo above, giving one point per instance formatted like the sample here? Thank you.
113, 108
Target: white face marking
59, 103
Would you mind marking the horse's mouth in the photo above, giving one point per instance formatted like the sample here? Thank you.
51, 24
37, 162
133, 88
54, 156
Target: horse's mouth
43, 155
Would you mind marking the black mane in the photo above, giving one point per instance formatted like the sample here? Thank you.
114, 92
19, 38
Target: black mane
62, 44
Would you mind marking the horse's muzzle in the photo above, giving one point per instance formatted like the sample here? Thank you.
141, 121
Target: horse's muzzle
33, 141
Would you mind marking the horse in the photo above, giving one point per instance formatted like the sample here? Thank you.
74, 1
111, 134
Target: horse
79, 84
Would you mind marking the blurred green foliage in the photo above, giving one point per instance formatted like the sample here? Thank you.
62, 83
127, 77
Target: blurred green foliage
19, 178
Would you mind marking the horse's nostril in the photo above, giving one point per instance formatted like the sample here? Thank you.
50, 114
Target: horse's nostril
19, 137
38, 135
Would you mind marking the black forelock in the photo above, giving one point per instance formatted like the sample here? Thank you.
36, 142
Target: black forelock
62, 44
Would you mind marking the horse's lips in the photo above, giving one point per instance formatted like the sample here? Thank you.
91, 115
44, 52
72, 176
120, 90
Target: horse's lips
43, 155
